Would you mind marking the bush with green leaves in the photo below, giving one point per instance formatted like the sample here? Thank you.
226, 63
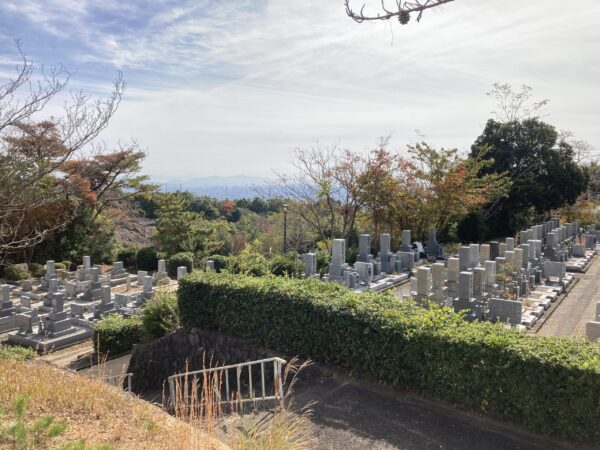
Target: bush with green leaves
17, 353
220, 261
160, 315
60, 266
323, 260
548, 384
128, 256
249, 263
180, 259
13, 273
37, 270
67, 264
286, 266
115, 334
147, 259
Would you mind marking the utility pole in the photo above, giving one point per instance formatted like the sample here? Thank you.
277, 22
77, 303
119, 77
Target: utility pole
285, 209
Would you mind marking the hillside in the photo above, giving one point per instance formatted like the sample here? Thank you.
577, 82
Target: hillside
101, 415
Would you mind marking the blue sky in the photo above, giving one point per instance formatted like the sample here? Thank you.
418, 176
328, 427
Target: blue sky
231, 87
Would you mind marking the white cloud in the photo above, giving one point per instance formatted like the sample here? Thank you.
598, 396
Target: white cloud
230, 87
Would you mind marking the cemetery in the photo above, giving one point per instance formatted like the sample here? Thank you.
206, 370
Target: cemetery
61, 308
514, 282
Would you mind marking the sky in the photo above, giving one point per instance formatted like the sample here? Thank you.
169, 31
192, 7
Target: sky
222, 88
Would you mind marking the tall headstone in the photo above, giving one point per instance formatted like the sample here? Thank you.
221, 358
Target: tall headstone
494, 250
406, 241
6, 305
364, 248
87, 263
474, 259
385, 245
310, 264
465, 286
484, 253
438, 275
464, 257
490, 274
433, 248
424, 284
478, 282
510, 244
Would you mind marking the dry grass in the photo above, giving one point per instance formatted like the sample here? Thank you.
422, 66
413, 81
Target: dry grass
279, 428
101, 414
94, 411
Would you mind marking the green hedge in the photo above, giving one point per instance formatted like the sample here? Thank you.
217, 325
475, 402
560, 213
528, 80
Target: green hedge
116, 334
548, 384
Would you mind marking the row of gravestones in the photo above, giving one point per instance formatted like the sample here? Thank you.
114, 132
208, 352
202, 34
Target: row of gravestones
87, 295
369, 269
470, 282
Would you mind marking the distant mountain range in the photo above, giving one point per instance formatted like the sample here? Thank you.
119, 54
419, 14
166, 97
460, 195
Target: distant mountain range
230, 187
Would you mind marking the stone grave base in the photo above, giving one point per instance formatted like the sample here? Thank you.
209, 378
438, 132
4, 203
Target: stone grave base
388, 282
8, 323
43, 344
580, 265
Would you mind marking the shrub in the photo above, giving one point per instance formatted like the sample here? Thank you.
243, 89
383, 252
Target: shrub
250, 263
67, 264
60, 266
323, 260
220, 262
180, 259
286, 265
160, 315
549, 384
17, 353
116, 334
13, 273
128, 255
37, 270
147, 259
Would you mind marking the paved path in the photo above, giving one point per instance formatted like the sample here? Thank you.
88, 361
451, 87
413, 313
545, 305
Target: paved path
578, 307
354, 415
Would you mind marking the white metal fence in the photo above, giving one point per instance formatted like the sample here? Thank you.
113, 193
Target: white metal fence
252, 381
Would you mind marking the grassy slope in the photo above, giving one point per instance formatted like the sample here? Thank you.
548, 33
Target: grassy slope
95, 412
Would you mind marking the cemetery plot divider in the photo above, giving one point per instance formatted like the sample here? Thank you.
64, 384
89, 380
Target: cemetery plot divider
548, 384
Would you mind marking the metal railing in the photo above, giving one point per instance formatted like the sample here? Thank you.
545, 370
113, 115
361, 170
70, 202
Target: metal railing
240, 388
117, 380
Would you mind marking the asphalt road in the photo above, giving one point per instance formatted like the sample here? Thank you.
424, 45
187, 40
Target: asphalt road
353, 415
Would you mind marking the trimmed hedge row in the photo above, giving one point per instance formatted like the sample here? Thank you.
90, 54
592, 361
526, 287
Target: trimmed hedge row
548, 384
116, 334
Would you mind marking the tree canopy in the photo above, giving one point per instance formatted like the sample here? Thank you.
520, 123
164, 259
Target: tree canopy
542, 170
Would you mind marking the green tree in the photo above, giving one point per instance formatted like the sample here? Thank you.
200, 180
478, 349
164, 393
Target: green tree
543, 173
180, 230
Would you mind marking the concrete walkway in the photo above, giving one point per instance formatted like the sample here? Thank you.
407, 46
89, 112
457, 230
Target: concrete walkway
570, 317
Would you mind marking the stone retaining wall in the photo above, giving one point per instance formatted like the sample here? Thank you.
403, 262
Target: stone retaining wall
153, 362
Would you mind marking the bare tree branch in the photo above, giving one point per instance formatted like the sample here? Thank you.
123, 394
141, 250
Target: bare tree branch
401, 10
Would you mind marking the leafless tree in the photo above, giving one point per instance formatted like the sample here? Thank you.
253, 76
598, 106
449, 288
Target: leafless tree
583, 151
401, 10
324, 189
36, 192
515, 106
